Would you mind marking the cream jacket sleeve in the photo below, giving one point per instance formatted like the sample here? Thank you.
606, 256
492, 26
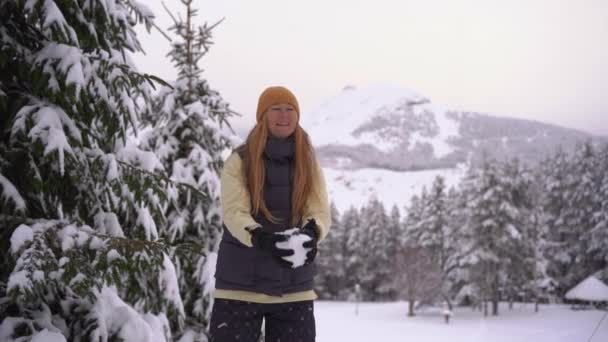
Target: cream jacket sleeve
317, 206
236, 203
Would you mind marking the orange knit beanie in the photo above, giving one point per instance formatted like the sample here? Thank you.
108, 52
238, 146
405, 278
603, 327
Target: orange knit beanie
275, 95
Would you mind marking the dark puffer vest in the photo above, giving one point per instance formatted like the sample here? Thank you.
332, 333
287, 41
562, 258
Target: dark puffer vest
247, 268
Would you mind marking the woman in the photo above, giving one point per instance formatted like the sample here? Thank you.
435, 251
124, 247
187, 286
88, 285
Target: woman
270, 185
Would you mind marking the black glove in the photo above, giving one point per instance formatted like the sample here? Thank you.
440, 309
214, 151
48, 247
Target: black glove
267, 241
311, 229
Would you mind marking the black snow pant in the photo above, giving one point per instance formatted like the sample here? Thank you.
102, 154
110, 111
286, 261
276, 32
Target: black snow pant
235, 320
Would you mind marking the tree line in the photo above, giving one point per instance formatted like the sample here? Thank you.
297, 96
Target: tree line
508, 231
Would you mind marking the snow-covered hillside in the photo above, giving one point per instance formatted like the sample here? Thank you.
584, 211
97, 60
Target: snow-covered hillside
355, 187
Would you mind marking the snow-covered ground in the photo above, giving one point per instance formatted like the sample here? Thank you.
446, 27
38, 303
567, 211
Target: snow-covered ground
387, 322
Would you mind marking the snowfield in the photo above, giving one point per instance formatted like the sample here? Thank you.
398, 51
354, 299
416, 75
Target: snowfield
355, 188
387, 322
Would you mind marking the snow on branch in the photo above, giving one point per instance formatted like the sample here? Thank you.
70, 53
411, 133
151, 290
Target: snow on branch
52, 19
66, 59
48, 127
8, 192
115, 318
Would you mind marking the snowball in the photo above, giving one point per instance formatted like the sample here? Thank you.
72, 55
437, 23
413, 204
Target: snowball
295, 242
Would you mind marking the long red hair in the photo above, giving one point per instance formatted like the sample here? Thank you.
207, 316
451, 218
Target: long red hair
254, 171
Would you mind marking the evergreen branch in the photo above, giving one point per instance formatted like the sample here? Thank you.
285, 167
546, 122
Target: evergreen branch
132, 244
161, 32
159, 80
217, 23
4, 218
169, 12
165, 178
149, 22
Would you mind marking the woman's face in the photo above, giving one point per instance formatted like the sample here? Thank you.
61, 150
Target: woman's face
282, 120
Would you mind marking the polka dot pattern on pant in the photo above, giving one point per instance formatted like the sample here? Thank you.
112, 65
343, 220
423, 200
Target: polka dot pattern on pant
233, 320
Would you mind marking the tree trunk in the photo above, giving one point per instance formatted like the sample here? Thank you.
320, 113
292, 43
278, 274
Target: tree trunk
448, 301
410, 310
536, 306
495, 296
485, 308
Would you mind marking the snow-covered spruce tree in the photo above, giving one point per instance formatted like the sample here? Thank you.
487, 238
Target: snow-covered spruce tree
477, 262
436, 232
572, 203
522, 270
599, 230
353, 238
188, 131
586, 212
79, 207
396, 229
412, 219
375, 274
330, 279
555, 172
415, 273
537, 284
493, 233
456, 277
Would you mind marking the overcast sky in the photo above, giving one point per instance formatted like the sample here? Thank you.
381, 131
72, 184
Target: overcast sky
545, 60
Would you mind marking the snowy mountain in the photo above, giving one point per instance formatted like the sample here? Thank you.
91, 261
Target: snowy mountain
390, 127
388, 142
